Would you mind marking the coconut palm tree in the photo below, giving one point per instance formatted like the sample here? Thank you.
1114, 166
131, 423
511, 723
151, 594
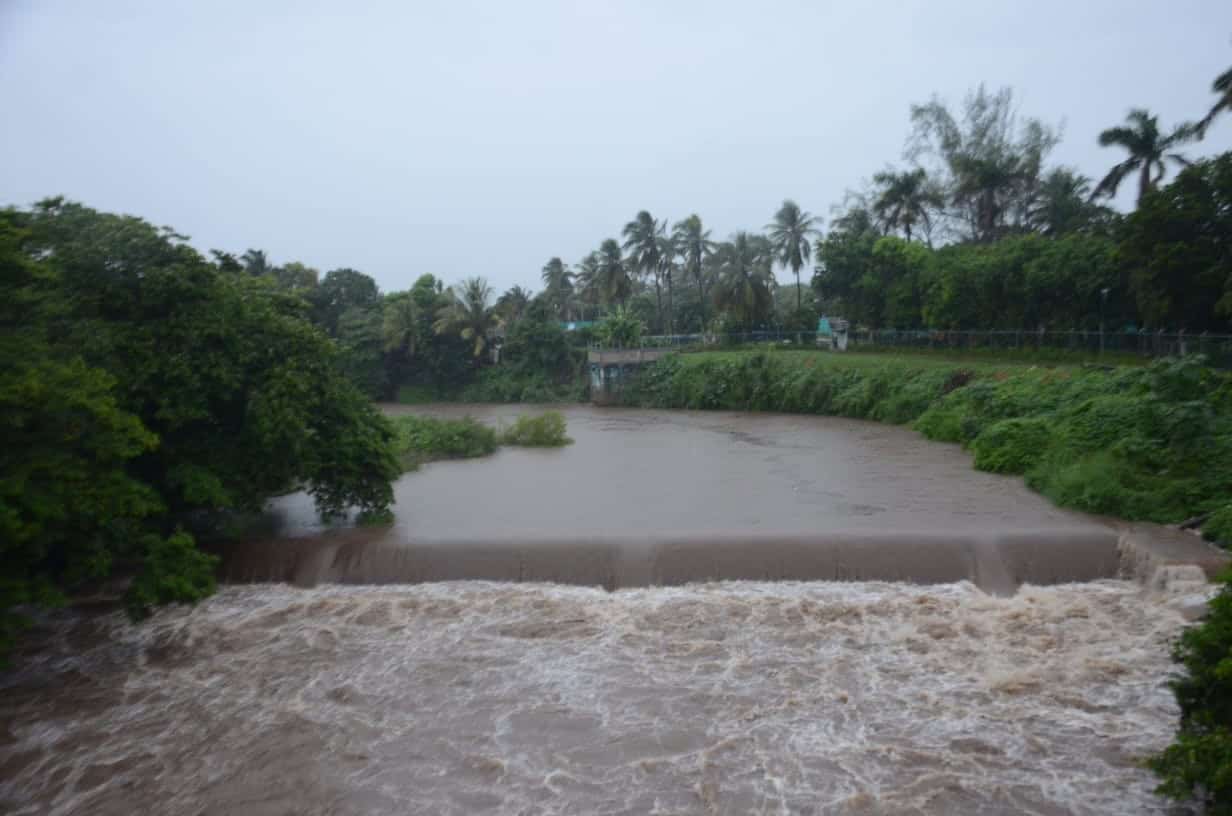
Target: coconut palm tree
468, 314
586, 283
1222, 86
612, 274
400, 323
695, 247
743, 290
642, 243
512, 305
669, 265
1149, 149
1063, 203
790, 235
558, 286
905, 199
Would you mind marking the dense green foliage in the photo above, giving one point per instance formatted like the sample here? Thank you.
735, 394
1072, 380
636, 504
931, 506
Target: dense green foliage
544, 431
1218, 527
423, 439
1136, 442
1198, 765
147, 392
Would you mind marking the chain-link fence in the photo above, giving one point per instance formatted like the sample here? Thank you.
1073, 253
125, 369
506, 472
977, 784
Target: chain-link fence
1078, 343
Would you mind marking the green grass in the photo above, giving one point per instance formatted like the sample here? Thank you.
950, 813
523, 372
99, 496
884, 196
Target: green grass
1140, 442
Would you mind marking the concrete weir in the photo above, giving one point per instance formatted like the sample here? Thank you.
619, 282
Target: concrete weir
998, 564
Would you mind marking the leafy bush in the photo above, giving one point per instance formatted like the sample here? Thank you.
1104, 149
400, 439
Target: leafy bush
1199, 763
421, 439
1011, 445
1218, 527
620, 329
544, 431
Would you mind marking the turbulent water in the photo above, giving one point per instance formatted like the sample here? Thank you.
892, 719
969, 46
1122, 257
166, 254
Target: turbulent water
860, 698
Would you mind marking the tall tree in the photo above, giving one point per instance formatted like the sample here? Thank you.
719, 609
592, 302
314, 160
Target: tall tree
669, 265
1177, 247
1063, 204
511, 305
1222, 86
906, 199
642, 243
340, 290
743, 290
587, 284
1149, 150
613, 274
696, 246
992, 164
468, 314
558, 287
255, 263
790, 234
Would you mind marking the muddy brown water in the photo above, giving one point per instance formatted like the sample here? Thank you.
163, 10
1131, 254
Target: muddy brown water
475, 696
653, 497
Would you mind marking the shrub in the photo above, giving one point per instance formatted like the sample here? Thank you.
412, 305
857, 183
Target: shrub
1198, 764
424, 439
1011, 445
544, 431
1218, 527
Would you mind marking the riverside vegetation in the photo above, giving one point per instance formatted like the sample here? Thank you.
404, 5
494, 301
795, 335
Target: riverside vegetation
421, 439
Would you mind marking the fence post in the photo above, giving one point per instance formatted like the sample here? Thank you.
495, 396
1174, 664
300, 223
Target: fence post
1181, 342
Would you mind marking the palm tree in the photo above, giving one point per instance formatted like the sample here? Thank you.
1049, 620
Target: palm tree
642, 243
669, 264
742, 289
468, 314
905, 199
612, 274
586, 282
1148, 149
255, 263
1063, 203
400, 323
558, 286
1222, 86
512, 305
789, 235
695, 246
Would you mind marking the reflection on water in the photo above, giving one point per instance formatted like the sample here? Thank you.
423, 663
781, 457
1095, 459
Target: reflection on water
475, 697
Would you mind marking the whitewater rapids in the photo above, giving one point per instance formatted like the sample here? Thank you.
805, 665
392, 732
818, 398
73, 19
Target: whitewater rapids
474, 697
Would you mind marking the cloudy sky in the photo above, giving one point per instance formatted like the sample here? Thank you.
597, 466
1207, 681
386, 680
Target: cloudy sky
480, 138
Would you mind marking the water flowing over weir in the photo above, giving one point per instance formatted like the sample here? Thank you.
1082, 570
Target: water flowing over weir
651, 498
540, 633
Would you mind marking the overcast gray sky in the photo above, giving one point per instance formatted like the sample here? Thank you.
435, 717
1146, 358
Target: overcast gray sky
480, 138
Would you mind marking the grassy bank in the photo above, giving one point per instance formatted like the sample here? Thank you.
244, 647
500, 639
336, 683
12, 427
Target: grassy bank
1138, 442
421, 439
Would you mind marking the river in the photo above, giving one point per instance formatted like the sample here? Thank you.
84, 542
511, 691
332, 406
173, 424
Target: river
469, 696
